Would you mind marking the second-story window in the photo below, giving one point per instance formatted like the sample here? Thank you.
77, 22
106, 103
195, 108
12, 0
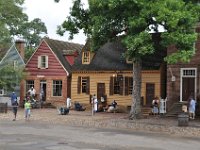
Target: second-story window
15, 64
43, 61
86, 58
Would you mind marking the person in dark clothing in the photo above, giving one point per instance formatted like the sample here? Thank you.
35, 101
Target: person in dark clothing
14, 104
79, 107
114, 104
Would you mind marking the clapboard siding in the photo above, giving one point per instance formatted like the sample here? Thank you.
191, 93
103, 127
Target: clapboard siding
54, 67
12, 55
104, 77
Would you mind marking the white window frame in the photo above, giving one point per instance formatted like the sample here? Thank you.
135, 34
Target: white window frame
86, 57
43, 64
15, 64
188, 73
54, 86
1, 92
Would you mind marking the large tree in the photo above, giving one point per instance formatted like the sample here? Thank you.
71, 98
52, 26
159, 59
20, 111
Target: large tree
10, 17
104, 20
10, 77
14, 23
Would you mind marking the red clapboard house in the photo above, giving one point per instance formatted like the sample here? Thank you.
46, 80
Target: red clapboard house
49, 71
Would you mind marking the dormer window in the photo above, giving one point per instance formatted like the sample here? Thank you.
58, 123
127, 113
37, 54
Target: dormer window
15, 64
129, 61
86, 58
43, 62
1, 92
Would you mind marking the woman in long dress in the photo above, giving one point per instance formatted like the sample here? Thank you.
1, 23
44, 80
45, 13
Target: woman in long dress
192, 106
95, 104
155, 104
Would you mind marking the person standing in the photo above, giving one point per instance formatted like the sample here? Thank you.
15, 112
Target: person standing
32, 93
95, 104
192, 105
68, 102
155, 104
14, 104
27, 109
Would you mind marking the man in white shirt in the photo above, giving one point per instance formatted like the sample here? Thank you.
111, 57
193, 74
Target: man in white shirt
32, 92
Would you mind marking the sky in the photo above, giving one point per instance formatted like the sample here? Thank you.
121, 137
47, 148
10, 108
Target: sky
52, 14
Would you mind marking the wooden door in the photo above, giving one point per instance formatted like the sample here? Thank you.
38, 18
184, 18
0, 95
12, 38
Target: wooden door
188, 88
43, 87
100, 90
150, 93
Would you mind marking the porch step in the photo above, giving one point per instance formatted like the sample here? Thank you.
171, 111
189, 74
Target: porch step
146, 111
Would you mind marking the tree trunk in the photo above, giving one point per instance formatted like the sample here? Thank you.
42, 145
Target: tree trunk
135, 112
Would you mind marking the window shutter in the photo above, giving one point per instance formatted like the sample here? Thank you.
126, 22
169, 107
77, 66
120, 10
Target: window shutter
121, 84
79, 85
46, 62
126, 86
39, 61
90, 100
88, 86
111, 86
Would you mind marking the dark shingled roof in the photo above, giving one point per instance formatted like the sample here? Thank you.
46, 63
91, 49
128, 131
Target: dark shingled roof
109, 58
60, 48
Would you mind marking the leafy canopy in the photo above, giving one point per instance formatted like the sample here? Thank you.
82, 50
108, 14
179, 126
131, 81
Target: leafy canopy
10, 77
105, 20
14, 23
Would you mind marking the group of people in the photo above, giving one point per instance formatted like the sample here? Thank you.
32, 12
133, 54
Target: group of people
27, 106
27, 103
110, 108
191, 107
94, 102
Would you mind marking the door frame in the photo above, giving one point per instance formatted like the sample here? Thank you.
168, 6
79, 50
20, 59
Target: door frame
98, 96
188, 73
149, 101
42, 83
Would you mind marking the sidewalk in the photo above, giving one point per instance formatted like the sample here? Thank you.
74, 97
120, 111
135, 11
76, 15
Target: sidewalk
108, 120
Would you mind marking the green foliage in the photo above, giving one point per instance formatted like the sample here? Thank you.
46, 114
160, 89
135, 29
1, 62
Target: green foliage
14, 23
28, 53
10, 77
10, 17
32, 32
104, 20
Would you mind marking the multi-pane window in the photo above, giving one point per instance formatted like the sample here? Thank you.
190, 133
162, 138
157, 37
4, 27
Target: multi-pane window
188, 72
116, 85
129, 60
86, 57
130, 85
57, 87
29, 84
84, 85
43, 61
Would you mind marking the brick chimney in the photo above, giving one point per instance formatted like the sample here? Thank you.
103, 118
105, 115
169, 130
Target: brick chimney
20, 45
